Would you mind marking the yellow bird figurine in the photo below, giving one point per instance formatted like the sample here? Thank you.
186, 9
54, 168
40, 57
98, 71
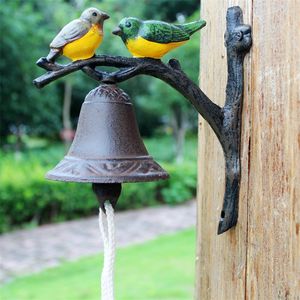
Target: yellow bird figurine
80, 38
153, 38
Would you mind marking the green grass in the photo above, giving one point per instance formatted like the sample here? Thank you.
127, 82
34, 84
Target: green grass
162, 269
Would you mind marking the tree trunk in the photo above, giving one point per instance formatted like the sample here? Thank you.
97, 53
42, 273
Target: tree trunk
260, 257
67, 132
179, 124
180, 144
67, 106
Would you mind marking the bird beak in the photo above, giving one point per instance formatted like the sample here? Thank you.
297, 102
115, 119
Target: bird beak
117, 31
105, 16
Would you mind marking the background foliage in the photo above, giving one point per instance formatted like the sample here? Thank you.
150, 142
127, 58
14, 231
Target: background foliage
34, 25
31, 119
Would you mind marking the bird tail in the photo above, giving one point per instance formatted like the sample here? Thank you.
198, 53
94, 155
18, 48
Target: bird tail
192, 27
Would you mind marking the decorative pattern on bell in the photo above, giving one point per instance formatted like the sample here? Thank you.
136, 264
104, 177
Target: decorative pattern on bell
107, 147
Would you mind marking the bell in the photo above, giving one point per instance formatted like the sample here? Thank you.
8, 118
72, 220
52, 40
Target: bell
107, 148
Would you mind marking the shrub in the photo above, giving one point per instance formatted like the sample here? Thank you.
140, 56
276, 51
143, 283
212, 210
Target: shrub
27, 198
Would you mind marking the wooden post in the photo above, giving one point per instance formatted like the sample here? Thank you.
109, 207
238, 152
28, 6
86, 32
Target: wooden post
260, 257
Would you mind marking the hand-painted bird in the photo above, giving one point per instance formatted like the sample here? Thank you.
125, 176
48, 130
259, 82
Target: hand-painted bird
80, 38
154, 38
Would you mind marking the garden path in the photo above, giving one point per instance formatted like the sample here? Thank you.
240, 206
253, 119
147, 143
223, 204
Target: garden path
28, 251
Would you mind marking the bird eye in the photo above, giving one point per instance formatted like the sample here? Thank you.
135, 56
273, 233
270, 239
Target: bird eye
94, 14
128, 24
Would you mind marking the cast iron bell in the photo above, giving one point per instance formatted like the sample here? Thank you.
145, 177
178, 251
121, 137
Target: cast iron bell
107, 147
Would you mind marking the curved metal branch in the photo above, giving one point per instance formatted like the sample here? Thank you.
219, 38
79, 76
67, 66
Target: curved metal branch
130, 67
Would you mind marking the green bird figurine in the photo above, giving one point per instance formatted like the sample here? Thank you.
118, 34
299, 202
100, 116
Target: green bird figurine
154, 38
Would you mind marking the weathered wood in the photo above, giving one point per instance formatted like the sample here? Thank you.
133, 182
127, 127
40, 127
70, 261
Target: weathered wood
221, 260
273, 254
260, 258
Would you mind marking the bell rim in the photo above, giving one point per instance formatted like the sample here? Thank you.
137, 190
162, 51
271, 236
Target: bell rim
120, 179
108, 170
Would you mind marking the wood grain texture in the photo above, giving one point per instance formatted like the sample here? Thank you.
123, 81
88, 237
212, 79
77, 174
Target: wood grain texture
260, 258
274, 180
221, 260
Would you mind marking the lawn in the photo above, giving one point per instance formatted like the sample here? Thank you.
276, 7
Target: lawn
162, 269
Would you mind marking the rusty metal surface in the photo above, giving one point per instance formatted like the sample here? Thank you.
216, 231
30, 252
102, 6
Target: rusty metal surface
107, 147
238, 41
105, 191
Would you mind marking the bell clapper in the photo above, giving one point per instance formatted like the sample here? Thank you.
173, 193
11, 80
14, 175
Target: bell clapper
107, 192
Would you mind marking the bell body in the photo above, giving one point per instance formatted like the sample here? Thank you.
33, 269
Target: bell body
107, 147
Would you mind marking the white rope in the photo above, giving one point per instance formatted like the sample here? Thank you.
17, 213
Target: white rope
107, 229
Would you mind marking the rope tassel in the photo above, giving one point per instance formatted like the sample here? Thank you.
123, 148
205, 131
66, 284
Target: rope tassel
107, 229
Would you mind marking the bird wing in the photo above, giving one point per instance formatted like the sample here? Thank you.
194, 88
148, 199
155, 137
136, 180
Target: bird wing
162, 32
72, 31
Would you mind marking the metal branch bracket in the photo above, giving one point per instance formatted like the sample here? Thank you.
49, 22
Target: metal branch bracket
225, 121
